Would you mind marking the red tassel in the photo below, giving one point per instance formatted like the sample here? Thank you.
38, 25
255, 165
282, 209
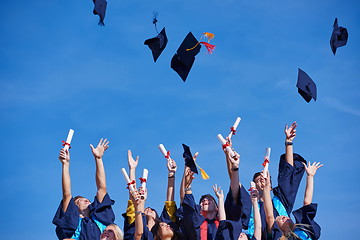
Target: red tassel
210, 48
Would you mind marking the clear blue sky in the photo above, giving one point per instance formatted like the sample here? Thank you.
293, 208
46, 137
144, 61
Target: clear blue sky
60, 70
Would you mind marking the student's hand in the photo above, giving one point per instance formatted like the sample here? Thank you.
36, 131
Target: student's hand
290, 132
312, 168
218, 192
132, 163
266, 176
64, 156
189, 176
254, 194
98, 152
171, 166
234, 160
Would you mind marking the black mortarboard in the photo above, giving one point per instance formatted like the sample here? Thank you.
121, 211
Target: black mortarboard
339, 37
157, 44
306, 86
183, 60
189, 160
100, 9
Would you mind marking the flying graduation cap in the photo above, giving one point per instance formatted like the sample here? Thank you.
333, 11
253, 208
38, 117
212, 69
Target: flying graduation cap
100, 9
339, 37
189, 160
158, 43
306, 86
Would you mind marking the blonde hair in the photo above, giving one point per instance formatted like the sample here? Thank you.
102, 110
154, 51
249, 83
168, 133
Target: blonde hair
118, 233
290, 234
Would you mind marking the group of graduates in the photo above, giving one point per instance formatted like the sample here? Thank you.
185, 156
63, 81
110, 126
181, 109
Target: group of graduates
242, 214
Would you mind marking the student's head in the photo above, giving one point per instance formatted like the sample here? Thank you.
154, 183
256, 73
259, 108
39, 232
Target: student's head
151, 213
112, 232
162, 231
243, 236
81, 202
285, 224
208, 203
259, 181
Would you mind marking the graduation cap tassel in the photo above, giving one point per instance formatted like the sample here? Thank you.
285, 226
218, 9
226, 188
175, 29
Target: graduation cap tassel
204, 175
208, 35
210, 48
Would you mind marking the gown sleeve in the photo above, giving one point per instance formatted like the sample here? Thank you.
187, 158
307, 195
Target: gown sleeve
192, 219
305, 215
66, 222
102, 211
289, 179
239, 211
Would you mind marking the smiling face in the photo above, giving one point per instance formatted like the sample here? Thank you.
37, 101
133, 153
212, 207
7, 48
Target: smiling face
285, 223
165, 230
208, 204
150, 213
259, 182
108, 234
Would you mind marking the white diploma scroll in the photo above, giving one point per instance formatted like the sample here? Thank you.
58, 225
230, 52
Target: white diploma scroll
163, 150
68, 139
252, 186
144, 177
267, 160
131, 186
223, 142
234, 127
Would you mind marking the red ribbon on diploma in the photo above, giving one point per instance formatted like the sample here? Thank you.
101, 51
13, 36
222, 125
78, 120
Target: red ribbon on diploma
65, 143
250, 189
132, 182
142, 180
167, 156
233, 130
265, 162
225, 145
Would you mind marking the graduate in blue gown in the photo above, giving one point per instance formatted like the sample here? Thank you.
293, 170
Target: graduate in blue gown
232, 230
78, 218
150, 220
290, 173
282, 227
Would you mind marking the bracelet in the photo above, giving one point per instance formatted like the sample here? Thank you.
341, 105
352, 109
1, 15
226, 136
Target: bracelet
188, 189
173, 176
235, 169
138, 212
288, 143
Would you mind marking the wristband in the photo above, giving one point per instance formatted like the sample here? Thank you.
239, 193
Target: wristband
288, 143
188, 189
138, 212
235, 169
173, 176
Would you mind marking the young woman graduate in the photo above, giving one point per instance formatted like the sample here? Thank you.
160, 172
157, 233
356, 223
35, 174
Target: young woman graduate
77, 217
290, 173
151, 219
232, 230
282, 227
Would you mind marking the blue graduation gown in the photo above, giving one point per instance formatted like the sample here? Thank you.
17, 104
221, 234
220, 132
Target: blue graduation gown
303, 215
67, 222
229, 230
192, 220
239, 211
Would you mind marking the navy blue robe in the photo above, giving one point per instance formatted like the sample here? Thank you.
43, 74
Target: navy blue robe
67, 222
229, 230
303, 215
192, 220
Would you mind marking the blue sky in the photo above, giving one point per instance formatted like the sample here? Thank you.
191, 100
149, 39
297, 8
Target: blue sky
60, 70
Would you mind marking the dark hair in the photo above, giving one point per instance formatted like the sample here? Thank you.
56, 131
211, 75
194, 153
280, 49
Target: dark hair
157, 218
259, 174
155, 231
208, 196
78, 197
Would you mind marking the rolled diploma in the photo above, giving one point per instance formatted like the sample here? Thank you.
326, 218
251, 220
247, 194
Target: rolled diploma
162, 149
69, 138
267, 156
127, 179
145, 176
252, 185
236, 124
223, 141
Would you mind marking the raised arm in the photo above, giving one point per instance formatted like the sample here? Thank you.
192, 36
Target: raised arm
268, 206
64, 158
171, 166
139, 211
235, 183
220, 195
257, 218
132, 166
100, 176
188, 176
290, 133
309, 190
